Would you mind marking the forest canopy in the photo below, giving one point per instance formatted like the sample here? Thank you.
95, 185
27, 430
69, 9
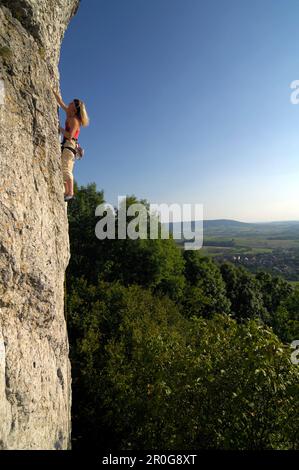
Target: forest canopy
171, 350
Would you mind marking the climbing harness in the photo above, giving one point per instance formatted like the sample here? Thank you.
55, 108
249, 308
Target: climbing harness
78, 151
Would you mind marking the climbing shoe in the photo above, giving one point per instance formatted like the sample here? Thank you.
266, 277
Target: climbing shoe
68, 198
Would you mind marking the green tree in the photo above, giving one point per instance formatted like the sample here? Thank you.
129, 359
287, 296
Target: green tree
285, 321
205, 291
275, 290
110, 327
244, 293
87, 254
153, 263
146, 377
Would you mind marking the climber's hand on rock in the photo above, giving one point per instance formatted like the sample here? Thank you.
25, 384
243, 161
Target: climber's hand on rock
57, 95
59, 100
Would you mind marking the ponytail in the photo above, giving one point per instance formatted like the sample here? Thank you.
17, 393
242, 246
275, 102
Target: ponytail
81, 112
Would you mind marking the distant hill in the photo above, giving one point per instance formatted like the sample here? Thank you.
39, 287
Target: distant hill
224, 222
234, 228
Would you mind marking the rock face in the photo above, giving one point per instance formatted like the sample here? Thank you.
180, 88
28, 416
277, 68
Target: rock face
35, 380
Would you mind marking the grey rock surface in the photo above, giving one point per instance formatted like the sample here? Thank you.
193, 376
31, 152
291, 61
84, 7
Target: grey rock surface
35, 375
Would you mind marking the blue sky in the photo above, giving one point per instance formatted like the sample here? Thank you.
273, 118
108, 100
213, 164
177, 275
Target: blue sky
189, 102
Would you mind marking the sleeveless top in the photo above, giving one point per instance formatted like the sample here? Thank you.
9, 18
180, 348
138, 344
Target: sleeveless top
67, 128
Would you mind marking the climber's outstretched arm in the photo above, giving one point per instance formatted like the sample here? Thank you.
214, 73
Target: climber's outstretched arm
59, 100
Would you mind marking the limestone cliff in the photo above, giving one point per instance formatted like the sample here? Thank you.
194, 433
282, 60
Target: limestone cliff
35, 380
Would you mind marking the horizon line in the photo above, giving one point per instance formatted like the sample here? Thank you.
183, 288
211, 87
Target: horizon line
236, 220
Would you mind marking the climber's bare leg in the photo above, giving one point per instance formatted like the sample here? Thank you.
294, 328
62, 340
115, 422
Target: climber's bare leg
71, 187
67, 187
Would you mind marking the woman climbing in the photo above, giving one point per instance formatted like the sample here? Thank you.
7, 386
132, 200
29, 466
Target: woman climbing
76, 116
